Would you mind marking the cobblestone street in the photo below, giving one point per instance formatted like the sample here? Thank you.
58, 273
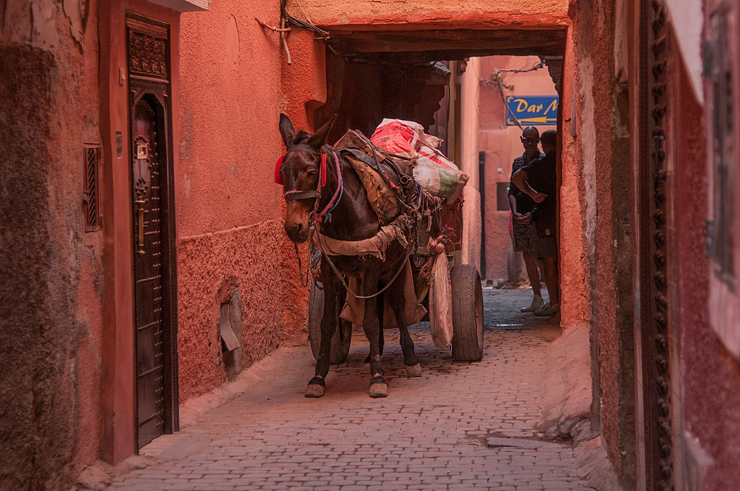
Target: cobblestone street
461, 426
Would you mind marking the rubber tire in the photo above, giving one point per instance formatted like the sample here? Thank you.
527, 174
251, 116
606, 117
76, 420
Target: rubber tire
467, 313
339, 348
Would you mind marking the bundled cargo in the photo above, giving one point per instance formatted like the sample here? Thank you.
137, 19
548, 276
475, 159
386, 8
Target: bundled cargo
431, 169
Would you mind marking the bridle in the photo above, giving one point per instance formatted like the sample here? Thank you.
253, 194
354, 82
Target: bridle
315, 194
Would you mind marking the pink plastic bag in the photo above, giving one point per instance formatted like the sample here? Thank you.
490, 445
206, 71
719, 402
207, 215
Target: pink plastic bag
410, 131
395, 144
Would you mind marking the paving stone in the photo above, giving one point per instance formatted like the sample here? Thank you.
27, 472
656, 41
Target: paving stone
458, 426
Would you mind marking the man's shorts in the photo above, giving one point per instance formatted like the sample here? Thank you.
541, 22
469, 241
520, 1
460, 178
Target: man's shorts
523, 237
543, 246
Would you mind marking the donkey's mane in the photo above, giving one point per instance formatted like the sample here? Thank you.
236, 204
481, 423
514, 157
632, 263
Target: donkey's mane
301, 137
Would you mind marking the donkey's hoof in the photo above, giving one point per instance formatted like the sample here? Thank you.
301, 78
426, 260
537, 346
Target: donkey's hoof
315, 391
378, 390
413, 370
378, 387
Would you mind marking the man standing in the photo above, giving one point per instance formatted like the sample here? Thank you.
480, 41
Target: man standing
521, 206
538, 181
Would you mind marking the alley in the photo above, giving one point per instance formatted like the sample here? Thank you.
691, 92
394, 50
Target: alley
460, 426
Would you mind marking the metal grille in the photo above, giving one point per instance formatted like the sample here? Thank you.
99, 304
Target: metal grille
90, 200
721, 229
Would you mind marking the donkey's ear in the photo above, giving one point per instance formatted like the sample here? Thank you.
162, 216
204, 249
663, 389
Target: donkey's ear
318, 139
286, 130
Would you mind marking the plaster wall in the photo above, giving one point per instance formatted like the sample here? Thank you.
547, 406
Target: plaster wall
235, 82
602, 139
573, 261
52, 289
502, 145
470, 130
709, 373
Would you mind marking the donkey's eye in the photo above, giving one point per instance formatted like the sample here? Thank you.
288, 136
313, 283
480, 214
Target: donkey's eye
311, 171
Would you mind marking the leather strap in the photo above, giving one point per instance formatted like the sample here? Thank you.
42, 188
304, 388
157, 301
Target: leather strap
292, 196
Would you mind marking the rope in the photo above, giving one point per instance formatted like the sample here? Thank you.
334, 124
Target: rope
346, 287
300, 268
327, 214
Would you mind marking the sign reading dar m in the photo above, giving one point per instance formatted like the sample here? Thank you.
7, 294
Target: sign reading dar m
532, 110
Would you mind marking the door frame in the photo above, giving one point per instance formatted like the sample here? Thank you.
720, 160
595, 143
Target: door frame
160, 87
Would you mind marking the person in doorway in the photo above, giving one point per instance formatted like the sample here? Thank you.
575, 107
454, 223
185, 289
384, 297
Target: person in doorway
538, 180
521, 207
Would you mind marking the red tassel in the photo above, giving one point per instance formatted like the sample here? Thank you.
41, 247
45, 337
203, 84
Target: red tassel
278, 177
323, 169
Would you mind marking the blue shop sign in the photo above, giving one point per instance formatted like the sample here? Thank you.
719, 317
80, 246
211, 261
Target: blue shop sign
532, 109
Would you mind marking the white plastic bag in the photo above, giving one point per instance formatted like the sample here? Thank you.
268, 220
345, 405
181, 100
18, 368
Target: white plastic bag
440, 303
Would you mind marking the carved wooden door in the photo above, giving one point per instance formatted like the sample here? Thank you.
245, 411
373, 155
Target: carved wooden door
148, 275
153, 232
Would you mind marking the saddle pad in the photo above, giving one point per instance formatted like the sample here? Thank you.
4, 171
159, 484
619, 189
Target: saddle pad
381, 197
368, 160
375, 246
413, 311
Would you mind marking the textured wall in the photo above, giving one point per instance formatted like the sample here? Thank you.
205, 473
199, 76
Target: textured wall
603, 136
418, 14
710, 374
210, 267
235, 81
48, 269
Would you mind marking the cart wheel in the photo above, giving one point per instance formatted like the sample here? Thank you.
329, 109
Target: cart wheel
339, 342
467, 313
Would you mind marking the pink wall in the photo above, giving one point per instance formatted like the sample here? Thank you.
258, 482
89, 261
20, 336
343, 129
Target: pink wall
710, 375
502, 145
235, 81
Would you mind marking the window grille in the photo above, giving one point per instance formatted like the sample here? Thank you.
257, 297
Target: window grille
91, 190
721, 233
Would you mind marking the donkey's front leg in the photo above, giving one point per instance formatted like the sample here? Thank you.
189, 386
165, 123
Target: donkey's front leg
317, 385
378, 385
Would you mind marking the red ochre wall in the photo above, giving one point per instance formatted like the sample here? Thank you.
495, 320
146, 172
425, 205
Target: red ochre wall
66, 393
595, 228
710, 375
235, 81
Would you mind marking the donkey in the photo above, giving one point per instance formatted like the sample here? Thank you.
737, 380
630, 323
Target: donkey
319, 184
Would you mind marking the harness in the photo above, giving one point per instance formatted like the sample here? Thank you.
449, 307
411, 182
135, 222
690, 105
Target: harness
325, 214
314, 194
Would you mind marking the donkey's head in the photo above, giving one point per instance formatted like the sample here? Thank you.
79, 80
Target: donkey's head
302, 175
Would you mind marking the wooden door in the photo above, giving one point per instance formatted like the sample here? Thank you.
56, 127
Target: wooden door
153, 232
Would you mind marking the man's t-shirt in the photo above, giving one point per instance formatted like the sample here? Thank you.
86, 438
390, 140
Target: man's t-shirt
542, 177
524, 204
